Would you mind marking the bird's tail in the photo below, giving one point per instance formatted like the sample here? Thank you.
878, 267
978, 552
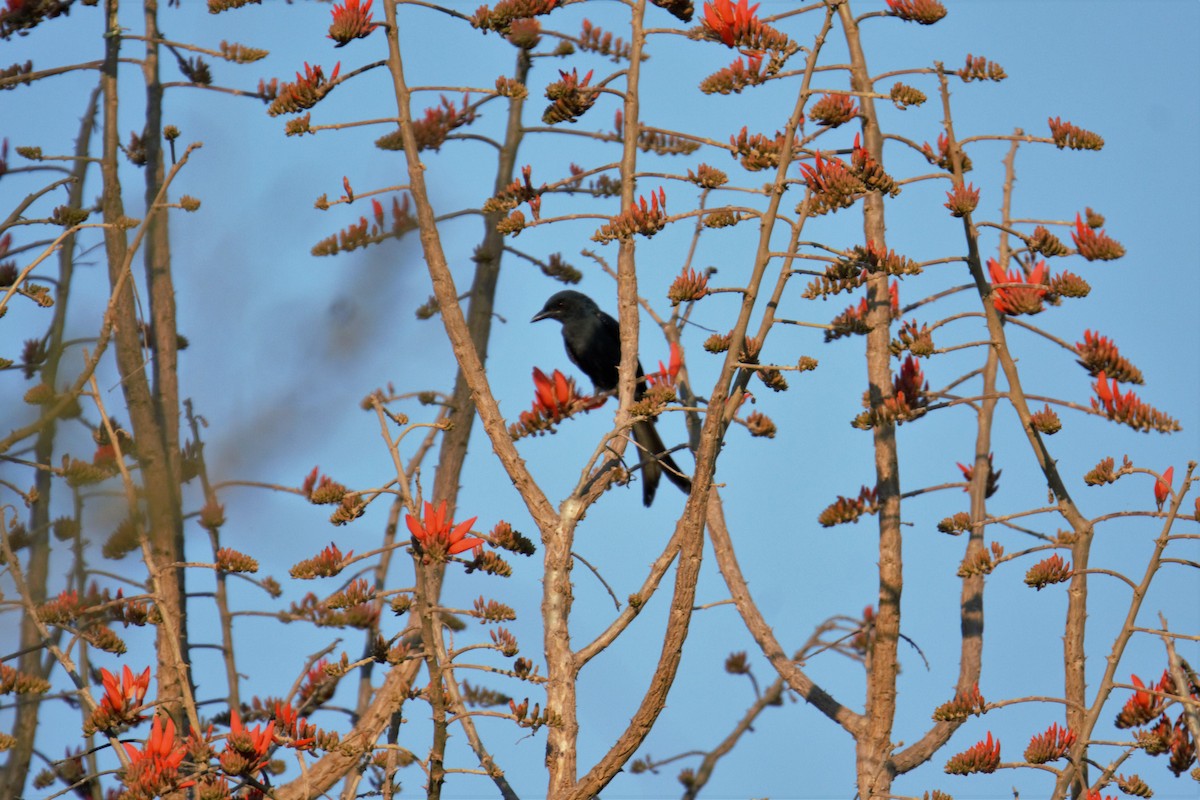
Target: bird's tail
655, 460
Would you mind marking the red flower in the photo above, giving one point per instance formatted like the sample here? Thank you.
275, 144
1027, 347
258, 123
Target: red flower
983, 756
126, 694
1049, 746
1018, 300
441, 532
121, 699
1095, 246
666, 375
727, 21
154, 770
1162, 487
351, 21
1141, 707
246, 750
554, 394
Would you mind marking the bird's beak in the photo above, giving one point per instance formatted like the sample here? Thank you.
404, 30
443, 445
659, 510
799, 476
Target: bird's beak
541, 315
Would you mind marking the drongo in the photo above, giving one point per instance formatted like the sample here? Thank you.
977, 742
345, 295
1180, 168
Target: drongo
593, 341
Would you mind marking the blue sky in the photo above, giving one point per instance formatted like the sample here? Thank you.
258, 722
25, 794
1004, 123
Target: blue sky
284, 345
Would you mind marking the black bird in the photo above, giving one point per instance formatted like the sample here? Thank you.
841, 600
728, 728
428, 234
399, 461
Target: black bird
593, 341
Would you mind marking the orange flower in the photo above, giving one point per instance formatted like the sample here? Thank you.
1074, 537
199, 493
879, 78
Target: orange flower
727, 21
246, 749
666, 375
351, 21
1162, 487
1018, 300
126, 694
553, 394
154, 770
440, 532
983, 756
1141, 707
121, 699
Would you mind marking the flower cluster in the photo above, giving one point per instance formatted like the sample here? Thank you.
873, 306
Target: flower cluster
918, 341
966, 703
832, 184
739, 26
154, 770
849, 509
523, 717
1045, 243
1068, 284
324, 491
962, 200
438, 537
364, 233
121, 703
757, 152
326, 564
979, 68
1049, 746
555, 399
942, 157
688, 287
569, 97
833, 110
761, 425
1067, 135
1098, 354
1162, 487
1143, 706
874, 258
432, 129
983, 756
923, 12
641, 217
707, 177
593, 39
1045, 421
1047, 571
525, 33
979, 561
246, 749
305, 92
993, 477
853, 321
501, 17
1128, 408
1026, 297
737, 76
1092, 245
904, 96
13, 681
908, 401
504, 536
519, 191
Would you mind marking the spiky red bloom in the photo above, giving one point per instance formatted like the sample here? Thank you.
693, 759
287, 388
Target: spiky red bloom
983, 756
1049, 746
1162, 487
440, 531
351, 21
154, 770
1018, 300
729, 22
1095, 246
666, 375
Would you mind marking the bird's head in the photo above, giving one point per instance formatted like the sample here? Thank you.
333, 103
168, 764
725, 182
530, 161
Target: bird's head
566, 305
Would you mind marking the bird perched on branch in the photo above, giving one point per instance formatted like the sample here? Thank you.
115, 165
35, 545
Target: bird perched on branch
593, 342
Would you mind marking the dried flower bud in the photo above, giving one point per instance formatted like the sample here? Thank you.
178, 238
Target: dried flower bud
1047, 571
1045, 421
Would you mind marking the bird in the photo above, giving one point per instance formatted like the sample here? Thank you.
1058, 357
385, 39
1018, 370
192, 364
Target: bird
593, 342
